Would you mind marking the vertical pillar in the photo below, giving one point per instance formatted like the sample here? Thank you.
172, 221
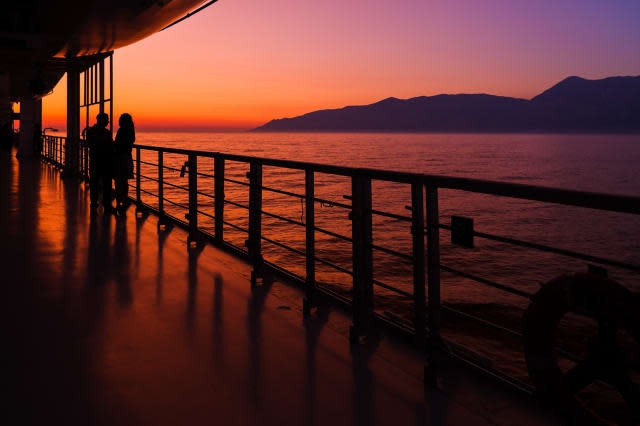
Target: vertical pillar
161, 219
218, 171
101, 82
193, 198
362, 229
310, 241
111, 92
138, 199
255, 220
433, 277
417, 232
30, 125
6, 112
71, 166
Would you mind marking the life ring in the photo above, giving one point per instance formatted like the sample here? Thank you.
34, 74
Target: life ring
614, 306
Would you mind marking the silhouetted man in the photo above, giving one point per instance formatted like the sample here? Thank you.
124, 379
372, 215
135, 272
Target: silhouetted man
100, 159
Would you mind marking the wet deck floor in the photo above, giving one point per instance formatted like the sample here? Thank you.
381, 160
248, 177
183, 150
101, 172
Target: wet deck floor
110, 322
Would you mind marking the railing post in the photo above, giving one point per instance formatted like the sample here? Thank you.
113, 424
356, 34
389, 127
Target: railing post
417, 232
85, 150
161, 218
433, 277
362, 257
310, 241
218, 172
193, 199
81, 158
138, 201
255, 220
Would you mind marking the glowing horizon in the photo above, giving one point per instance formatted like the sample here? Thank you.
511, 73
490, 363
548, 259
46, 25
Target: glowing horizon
239, 64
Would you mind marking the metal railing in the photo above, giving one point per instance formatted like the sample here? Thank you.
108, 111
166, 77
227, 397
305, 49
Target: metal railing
424, 219
53, 150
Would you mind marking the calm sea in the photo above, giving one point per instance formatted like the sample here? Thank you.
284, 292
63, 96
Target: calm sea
596, 163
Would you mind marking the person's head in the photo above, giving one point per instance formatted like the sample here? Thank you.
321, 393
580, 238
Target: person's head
102, 119
126, 121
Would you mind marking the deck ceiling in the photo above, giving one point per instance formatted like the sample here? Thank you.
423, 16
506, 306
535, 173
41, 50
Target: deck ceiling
32, 32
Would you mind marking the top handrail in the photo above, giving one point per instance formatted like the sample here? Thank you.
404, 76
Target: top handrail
594, 200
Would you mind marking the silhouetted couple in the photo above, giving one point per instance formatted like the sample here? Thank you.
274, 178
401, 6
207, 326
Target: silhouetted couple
110, 160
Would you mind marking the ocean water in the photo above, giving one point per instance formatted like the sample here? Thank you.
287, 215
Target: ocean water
595, 163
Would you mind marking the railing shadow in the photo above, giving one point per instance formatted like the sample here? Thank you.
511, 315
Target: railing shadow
192, 284
122, 259
162, 238
313, 326
255, 308
218, 319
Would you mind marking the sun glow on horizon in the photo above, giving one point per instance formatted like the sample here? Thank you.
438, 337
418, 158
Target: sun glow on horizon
239, 64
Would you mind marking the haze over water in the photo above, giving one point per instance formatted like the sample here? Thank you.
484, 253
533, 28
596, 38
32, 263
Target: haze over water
595, 163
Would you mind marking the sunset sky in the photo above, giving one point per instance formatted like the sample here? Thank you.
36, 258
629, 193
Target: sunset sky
240, 63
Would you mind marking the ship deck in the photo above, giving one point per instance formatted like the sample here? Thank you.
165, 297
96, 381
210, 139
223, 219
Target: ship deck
110, 321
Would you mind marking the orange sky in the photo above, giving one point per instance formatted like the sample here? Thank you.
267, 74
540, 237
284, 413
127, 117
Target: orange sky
241, 63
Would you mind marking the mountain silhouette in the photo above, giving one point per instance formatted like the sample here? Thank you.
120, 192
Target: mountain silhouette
573, 105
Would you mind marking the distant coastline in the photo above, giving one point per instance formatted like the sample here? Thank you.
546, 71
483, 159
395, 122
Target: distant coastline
575, 105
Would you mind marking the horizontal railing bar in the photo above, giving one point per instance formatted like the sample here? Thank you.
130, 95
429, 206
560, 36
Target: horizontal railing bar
594, 200
280, 191
393, 252
149, 193
334, 266
383, 213
149, 178
205, 194
239, 182
164, 182
506, 330
286, 219
284, 246
205, 214
205, 174
391, 215
617, 203
333, 234
391, 288
171, 168
482, 321
486, 281
150, 164
175, 204
333, 203
235, 226
545, 248
233, 203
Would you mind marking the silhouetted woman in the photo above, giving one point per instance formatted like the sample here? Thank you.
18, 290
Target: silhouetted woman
125, 138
